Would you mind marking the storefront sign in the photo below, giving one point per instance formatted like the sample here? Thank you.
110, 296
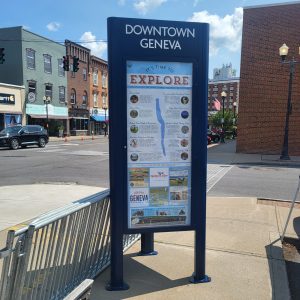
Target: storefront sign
35, 109
8, 99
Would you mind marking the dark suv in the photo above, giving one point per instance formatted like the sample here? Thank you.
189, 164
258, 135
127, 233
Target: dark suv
23, 136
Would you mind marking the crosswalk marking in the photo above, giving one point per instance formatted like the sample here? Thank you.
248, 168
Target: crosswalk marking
215, 172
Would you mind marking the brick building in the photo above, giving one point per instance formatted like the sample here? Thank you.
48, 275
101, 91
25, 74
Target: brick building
215, 88
78, 90
98, 103
264, 79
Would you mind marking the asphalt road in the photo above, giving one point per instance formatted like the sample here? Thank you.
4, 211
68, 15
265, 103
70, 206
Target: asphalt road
86, 163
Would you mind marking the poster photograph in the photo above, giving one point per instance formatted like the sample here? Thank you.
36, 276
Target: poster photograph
159, 128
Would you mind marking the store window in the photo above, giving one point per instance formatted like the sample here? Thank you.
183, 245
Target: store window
62, 94
104, 79
84, 98
73, 96
95, 77
84, 74
61, 71
48, 90
47, 64
30, 58
95, 98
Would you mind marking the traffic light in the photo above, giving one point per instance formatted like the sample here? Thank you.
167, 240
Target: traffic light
75, 64
2, 60
66, 65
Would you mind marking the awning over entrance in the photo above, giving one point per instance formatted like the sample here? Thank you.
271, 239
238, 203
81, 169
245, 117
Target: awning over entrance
49, 117
99, 118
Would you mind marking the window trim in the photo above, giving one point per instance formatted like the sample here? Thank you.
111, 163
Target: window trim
50, 63
30, 50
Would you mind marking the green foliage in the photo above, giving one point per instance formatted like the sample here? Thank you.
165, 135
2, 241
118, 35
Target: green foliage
228, 120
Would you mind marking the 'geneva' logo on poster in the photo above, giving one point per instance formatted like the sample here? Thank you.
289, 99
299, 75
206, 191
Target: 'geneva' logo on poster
163, 36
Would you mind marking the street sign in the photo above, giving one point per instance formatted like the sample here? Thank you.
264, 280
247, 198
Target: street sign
158, 113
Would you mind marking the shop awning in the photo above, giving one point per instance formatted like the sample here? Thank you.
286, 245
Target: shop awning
99, 118
49, 117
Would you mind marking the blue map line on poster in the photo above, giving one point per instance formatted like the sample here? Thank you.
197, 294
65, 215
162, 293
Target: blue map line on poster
162, 126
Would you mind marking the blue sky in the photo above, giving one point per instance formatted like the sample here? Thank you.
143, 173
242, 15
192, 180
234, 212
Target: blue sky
85, 20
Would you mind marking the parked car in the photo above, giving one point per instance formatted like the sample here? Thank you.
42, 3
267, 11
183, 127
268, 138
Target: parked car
22, 136
208, 140
215, 136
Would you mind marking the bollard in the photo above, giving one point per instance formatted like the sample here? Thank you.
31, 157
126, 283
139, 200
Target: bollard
66, 139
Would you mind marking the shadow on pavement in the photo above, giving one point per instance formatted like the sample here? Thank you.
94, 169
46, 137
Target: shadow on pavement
276, 265
142, 281
291, 250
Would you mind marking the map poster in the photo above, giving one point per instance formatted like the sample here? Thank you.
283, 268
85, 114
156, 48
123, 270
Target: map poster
159, 128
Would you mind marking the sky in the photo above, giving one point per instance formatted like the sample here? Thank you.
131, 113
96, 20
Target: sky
84, 21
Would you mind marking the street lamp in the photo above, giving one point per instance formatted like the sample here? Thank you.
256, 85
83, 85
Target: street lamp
223, 96
47, 100
233, 120
105, 127
283, 52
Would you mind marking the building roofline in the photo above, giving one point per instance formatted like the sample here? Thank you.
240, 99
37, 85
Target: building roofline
234, 79
12, 85
38, 35
272, 4
98, 58
78, 45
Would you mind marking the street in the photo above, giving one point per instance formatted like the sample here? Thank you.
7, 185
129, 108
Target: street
85, 162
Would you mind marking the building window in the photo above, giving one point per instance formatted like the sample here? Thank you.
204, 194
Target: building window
103, 100
62, 94
95, 98
30, 58
84, 98
61, 71
32, 87
47, 64
95, 77
73, 96
84, 74
48, 90
104, 77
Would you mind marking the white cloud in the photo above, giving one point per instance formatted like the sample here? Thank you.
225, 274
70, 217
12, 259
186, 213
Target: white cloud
144, 6
89, 40
53, 26
225, 32
121, 2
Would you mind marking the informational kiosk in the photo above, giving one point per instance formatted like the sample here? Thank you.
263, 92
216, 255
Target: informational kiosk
158, 74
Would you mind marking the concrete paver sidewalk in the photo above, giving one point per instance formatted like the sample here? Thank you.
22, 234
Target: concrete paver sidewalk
244, 258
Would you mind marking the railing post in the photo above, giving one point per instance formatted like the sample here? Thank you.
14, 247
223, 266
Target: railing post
6, 262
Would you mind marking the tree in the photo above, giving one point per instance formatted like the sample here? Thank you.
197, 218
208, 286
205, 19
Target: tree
228, 120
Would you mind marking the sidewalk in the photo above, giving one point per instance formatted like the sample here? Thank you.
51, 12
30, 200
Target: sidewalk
244, 253
244, 258
77, 138
225, 153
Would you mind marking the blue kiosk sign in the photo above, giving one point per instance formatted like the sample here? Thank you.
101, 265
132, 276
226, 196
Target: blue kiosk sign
158, 119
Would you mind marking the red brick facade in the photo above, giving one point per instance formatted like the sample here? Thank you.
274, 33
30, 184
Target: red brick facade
264, 80
78, 89
215, 88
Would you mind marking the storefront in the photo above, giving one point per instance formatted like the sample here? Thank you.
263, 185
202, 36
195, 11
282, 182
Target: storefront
54, 118
99, 121
11, 105
79, 121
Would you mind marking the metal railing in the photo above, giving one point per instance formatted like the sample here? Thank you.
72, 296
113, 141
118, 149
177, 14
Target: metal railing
58, 250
